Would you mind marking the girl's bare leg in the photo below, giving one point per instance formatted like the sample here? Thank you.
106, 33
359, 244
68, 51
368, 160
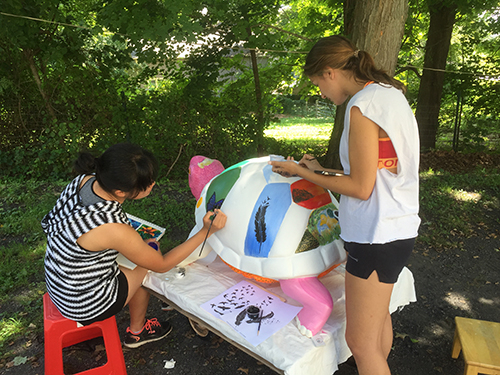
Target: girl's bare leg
138, 298
369, 326
387, 336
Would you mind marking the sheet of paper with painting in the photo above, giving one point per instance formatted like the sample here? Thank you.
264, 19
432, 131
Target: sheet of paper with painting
232, 306
147, 230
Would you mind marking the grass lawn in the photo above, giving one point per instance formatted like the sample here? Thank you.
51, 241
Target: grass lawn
295, 136
306, 129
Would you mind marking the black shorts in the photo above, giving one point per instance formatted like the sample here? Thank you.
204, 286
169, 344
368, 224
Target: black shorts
116, 307
387, 259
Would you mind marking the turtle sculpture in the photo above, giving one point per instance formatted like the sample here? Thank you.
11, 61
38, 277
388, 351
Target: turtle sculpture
278, 229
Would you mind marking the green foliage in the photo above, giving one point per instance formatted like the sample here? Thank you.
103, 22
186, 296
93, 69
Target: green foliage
23, 203
472, 72
21, 265
22, 206
314, 107
60, 87
301, 24
97, 95
63, 89
176, 125
476, 85
25, 315
9, 328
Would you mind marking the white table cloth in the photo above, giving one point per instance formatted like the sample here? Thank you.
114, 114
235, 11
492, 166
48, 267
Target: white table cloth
287, 350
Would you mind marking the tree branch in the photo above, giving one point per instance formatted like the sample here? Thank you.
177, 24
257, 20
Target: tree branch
408, 67
175, 161
28, 54
283, 31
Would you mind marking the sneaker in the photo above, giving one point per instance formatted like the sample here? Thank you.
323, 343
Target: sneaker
152, 330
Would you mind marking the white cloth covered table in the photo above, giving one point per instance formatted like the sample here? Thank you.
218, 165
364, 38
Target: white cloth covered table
287, 350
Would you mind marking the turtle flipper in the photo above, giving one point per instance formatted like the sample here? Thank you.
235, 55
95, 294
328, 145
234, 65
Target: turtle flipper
315, 298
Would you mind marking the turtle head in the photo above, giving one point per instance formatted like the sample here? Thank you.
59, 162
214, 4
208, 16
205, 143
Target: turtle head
201, 171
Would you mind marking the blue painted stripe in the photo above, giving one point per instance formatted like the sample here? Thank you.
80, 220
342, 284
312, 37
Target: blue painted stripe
266, 219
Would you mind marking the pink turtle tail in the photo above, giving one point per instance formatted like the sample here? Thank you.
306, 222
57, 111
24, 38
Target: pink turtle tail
315, 298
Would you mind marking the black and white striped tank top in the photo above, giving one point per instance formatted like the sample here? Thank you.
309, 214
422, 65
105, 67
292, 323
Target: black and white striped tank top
81, 283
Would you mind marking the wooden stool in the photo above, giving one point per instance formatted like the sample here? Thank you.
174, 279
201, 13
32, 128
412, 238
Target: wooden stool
480, 342
60, 333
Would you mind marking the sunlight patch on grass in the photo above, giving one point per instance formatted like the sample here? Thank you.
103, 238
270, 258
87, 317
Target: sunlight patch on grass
459, 301
296, 128
490, 302
438, 330
299, 132
8, 328
429, 174
465, 196
306, 121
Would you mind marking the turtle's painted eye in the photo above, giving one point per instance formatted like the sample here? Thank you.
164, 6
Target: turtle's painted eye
333, 213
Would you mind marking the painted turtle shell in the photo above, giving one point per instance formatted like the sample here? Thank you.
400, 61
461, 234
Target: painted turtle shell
277, 227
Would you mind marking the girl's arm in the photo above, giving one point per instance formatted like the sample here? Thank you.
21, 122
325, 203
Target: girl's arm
128, 242
363, 159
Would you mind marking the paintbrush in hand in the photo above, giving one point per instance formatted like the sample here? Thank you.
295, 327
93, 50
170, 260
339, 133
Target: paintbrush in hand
209, 227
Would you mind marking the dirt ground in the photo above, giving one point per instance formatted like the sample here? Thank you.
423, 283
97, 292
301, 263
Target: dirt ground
457, 282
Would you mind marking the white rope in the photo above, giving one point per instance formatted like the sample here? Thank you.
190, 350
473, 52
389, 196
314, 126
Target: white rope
477, 75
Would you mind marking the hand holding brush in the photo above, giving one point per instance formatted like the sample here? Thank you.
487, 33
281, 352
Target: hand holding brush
211, 219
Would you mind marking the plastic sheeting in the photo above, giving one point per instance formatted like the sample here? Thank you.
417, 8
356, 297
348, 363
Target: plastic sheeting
287, 349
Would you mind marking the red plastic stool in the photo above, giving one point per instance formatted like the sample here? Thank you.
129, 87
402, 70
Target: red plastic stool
61, 333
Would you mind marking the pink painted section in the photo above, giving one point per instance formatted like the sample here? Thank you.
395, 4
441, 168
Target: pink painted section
201, 171
315, 298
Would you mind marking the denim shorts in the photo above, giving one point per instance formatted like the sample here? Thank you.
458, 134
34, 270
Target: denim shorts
387, 259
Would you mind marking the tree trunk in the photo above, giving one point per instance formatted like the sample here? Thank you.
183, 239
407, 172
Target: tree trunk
376, 27
332, 159
28, 54
260, 109
258, 99
442, 19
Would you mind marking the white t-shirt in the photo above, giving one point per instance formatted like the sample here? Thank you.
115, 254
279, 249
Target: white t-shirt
391, 212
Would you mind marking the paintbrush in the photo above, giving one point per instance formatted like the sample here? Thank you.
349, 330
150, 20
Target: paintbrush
326, 173
260, 321
209, 227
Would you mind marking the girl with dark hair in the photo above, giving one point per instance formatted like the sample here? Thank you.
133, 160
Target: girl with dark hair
378, 212
87, 229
